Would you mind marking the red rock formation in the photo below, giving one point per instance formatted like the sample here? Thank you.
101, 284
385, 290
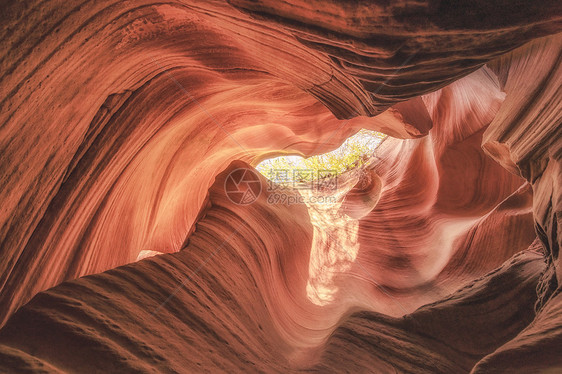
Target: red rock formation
234, 300
120, 122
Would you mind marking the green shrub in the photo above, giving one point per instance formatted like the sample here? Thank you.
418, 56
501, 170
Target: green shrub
354, 152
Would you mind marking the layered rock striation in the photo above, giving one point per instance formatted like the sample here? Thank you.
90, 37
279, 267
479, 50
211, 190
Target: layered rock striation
123, 251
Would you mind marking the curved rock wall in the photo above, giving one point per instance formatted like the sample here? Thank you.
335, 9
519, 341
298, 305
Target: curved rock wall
119, 122
234, 300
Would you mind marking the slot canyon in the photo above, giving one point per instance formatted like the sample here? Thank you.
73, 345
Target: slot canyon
136, 235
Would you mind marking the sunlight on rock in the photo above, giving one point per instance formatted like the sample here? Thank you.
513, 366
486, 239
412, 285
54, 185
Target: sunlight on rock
136, 235
334, 246
335, 237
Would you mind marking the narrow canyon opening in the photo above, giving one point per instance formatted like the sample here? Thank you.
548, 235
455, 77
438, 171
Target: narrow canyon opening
204, 186
321, 183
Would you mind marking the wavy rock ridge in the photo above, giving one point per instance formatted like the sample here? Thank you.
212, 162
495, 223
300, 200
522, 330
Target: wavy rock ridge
120, 123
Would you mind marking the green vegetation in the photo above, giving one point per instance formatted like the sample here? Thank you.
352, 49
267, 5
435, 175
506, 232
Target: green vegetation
354, 152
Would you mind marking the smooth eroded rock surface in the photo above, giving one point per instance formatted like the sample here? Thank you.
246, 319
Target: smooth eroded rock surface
123, 248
